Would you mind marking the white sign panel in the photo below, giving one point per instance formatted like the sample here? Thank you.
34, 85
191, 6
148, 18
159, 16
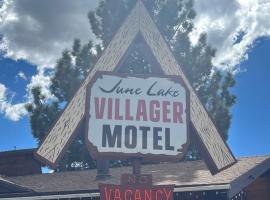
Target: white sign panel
137, 116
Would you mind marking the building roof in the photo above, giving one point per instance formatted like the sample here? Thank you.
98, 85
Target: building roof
182, 174
6, 186
19, 163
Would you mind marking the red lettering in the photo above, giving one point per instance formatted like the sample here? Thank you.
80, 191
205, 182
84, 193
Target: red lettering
141, 111
137, 195
159, 196
167, 193
148, 194
109, 108
117, 194
177, 112
166, 111
108, 195
154, 113
99, 107
126, 194
127, 116
117, 110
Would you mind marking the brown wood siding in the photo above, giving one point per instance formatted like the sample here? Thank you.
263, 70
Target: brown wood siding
19, 163
259, 189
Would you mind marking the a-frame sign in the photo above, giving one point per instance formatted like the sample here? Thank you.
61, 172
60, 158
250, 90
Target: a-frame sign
214, 150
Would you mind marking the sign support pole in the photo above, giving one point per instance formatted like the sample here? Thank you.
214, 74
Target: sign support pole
136, 163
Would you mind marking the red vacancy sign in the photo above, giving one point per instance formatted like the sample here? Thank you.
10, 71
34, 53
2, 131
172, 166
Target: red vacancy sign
137, 116
119, 192
136, 187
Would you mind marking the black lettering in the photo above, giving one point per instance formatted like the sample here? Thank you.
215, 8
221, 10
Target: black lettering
149, 92
144, 130
112, 89
138, 91
176, 93
109, 138
161, 92
156, 138
128, 91
168, 140
131, 143
172, 93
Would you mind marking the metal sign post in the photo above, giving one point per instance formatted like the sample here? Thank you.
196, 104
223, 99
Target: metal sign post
136, 164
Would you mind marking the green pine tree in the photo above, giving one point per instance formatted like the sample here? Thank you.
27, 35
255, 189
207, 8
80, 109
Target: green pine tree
174, 19
70, 70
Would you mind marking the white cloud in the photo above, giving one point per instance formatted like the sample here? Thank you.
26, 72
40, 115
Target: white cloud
11, 111
232, 27
38, 31
2, 91
42, 81
22, 75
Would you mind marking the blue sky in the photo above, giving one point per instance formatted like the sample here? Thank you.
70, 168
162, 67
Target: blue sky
31, 43
15, 134
250, 130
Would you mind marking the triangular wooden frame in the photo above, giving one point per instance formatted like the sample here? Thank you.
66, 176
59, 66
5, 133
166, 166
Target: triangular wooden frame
215, 151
